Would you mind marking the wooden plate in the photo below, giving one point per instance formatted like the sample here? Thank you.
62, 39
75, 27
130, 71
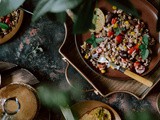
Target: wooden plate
149, 16
14, 30
27, 98
86, 106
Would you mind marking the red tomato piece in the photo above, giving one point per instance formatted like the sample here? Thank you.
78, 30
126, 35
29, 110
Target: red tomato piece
130, 51
7, 20
114, 20
119, 38
136, 47
137, 64
110, 33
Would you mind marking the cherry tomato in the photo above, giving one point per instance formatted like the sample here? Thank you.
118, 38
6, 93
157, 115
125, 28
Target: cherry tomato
110, 33
130, 51
136, 47
119, 38
7, 20
137, 64
114, 20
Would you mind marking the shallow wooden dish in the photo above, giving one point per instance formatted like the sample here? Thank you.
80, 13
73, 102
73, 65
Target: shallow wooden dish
149, 16
14, 31
27, 97
86, 106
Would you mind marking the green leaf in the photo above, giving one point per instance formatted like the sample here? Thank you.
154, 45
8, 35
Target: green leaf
90, 41
63, 5
4, 26
52, 97
43, 7
144, 54
98, 40
61, 16
93, 37
67, 113
84, 17
7, 6
145, 39
94, 44
55, 6
117, 31
125, 5
142, 47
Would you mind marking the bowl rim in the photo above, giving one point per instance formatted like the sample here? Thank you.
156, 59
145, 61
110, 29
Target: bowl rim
15, 30
158, 103
110, 77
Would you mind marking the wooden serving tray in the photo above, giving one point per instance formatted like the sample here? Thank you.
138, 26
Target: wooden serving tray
14, 31
104, 86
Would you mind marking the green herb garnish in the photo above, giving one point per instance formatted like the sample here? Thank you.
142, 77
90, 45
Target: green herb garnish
144, 47
4, 26
94, 41
118, 30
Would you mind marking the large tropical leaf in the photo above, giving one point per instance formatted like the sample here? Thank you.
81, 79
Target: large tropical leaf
7, 6
125, 5
43, 7
55, 6
61, 17
63, 5
84, 17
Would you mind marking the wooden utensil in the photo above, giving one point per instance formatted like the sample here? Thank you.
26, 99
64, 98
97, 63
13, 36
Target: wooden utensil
132, 75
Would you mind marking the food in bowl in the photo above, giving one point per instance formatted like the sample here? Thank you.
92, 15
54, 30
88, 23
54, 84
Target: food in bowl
121, 39
8, 23
98, 113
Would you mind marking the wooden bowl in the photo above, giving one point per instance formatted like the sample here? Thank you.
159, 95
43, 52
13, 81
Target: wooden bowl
86, 106
27, 98
149, 16
14, 30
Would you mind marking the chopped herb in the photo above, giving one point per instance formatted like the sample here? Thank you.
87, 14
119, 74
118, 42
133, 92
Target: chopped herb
94, 44
145, 39
4, 26
89, 40
144, 54
98, 40
94, 41
144, 47
118, 30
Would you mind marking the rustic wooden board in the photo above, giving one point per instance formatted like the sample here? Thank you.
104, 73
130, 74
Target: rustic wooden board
11, 73
6, 66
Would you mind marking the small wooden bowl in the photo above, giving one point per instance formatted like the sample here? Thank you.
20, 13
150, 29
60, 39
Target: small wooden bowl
14, 30
27, 97
86, 106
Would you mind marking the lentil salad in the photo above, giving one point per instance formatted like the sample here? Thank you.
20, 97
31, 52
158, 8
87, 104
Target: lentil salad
122, 39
